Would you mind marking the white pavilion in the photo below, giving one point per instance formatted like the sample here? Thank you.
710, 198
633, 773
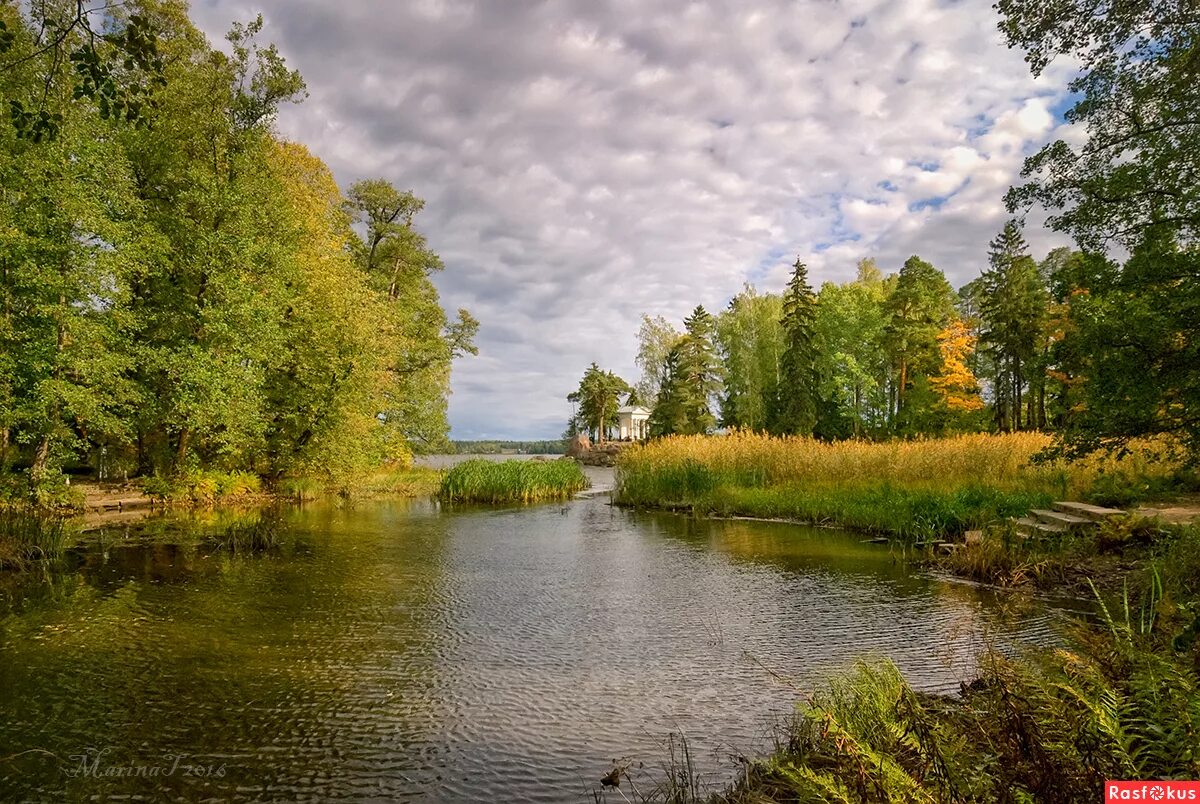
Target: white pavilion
633, 423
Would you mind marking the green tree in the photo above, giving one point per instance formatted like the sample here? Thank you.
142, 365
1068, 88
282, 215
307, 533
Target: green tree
598, 398
656, 337
416, 335
671, 408
1137, 93
1132, 182
749, 340
852, 364
1013, 323
919, 308
797, 393
101, 53
700, 369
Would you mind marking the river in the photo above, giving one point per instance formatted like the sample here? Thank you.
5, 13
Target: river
402, 650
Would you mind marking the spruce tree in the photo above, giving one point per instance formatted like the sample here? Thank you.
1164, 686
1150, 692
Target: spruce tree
1013, 311
795, 410
700, 369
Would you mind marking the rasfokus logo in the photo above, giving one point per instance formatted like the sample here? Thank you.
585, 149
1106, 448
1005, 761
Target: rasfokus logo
1151, 791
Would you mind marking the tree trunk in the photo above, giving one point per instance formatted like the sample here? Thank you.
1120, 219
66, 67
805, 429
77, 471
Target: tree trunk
181, 451
857, 409
41, 459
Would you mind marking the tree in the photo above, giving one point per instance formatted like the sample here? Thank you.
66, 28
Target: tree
656, 337
749, 341
955, 385
1013, 315
190, 293
919, 307
1132, 182
700, 370
852, 363
113, 55
670, 414
797, 394
1137, 93
598, 398
420, 341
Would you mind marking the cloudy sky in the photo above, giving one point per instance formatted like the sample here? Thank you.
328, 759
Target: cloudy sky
587, 161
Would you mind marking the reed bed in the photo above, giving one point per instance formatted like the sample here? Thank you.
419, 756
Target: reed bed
908, 488
482, 481
29, 536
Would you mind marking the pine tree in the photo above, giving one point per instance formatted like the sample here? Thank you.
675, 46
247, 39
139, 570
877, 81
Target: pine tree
795, 410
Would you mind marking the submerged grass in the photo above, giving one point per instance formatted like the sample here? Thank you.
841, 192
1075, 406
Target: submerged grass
910, 489
483, 481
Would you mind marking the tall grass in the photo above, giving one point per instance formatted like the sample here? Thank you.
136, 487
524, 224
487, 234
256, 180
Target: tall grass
28, 536
484, 481
909, 488
413, 481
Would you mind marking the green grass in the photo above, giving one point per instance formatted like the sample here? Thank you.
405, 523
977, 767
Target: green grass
481, 481
906, 513
29, 536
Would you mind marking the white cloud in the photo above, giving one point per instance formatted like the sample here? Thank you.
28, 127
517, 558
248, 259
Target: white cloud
584, 162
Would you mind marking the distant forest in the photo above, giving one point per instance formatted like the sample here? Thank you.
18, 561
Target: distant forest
554, 446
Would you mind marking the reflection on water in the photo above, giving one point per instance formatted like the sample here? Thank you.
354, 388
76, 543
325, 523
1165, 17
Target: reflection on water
397, 650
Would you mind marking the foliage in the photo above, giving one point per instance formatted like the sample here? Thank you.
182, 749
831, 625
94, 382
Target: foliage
955, 384
1130, 183
749, 340
1051, 729
114, 57
189, 295
919, 307
691, 380
598, 397
482, 481
796, 400
853, 363
656, 337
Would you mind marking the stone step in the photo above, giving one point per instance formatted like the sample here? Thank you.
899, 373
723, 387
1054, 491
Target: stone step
1059, 518
1095, 513
1032, 528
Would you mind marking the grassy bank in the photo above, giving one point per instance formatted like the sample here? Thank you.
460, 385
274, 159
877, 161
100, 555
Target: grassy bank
906, 488
482, 481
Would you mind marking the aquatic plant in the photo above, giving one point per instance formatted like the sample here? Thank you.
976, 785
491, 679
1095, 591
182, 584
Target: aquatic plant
28, 535
485, 481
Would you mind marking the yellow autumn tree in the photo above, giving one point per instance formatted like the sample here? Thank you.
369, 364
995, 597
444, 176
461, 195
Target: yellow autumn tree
956, 385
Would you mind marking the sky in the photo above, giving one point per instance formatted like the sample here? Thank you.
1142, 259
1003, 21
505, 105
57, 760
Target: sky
587, 161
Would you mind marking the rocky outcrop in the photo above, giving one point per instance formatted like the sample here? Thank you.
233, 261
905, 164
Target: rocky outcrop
579, 446
602, 454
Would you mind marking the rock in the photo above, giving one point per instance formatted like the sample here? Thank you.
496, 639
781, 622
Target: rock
579, 446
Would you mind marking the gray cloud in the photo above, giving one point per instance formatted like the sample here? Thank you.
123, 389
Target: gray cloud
584, 162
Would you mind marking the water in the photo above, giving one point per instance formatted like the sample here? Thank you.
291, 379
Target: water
400, 651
